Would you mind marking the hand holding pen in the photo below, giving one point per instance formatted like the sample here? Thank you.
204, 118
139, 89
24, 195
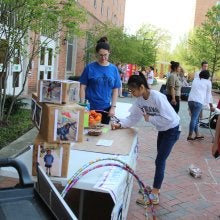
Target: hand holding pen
146, 116
115, 123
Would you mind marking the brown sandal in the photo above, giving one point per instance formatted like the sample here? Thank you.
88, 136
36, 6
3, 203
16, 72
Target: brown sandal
199, 137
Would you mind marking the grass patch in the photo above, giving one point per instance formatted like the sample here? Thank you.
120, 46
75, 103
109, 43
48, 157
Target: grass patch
19, 124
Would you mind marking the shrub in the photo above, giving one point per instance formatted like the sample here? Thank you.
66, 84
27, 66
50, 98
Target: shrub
18, 104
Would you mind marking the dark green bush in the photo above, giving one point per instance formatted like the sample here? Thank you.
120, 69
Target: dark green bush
19, 123
18, 104
75, 78
215, 85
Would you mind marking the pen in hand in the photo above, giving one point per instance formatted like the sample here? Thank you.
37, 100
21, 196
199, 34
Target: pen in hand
146, 116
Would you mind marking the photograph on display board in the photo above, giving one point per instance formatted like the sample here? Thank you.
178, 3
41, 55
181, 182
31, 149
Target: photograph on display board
74, 92
38, 114
51, 91
66, 125
50, 157
33, 108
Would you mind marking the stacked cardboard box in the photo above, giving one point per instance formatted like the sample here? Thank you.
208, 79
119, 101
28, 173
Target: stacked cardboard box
58, 91
59, 125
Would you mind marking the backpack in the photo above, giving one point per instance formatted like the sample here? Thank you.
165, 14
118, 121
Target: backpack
213, 121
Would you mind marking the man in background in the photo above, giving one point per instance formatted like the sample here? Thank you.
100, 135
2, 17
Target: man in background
150, 76
204, 66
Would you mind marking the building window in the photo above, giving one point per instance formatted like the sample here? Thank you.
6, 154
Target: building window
15, 81
70, 48
42, 55
50, 56
49, 74
102, 7
95, 4
41, 75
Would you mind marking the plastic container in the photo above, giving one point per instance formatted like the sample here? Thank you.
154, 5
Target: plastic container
195, 171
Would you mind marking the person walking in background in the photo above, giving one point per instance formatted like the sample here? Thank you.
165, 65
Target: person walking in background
182, 78
150, 76
173, 86
100, 82
121, 72
154, 107
199, 96
204, 66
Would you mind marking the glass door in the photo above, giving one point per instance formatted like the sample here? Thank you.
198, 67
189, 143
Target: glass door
46, 61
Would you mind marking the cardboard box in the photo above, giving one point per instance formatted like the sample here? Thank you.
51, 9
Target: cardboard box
60, 154
62, 123
58, 91
70, 91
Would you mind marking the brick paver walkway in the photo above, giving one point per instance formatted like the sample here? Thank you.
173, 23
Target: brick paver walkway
182, 196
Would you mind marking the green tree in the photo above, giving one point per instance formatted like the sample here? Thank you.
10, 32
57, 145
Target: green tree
204, 42
158, 43
22, 24
125, 48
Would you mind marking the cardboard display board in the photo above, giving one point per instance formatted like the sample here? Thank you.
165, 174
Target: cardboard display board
60, 153
58, 91
122, 140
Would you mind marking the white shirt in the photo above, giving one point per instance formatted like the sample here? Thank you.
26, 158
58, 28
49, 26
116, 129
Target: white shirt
197, 74
150, 77
201, 91
162, 114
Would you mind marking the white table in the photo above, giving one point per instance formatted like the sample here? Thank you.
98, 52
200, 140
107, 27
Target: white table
112, 182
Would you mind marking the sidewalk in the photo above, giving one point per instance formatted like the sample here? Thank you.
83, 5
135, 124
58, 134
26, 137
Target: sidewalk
182, 196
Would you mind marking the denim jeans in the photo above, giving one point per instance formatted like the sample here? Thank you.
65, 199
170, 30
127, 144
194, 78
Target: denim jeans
195, 109
165, 143
177, 106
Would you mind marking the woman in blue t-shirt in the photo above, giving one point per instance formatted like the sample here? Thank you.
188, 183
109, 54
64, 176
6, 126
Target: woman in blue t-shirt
100, 81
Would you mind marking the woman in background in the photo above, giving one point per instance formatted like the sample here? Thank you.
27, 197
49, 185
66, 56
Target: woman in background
199, 96
173, 86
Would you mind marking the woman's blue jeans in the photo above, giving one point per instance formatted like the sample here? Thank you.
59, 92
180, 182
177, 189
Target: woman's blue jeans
165, 143
195, 109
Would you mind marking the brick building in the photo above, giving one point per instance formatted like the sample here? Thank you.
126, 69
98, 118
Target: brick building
201, 9
70, 59
98, 12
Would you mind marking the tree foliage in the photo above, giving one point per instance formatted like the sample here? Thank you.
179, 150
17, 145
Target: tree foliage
22, 24
140, 48
204, 43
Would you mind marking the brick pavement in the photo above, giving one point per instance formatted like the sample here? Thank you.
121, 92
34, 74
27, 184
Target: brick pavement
182, 196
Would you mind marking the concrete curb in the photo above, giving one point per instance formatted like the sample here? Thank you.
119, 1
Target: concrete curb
20, 145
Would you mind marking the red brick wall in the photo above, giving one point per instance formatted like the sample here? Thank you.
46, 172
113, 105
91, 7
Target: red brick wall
202, 7
113, 11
